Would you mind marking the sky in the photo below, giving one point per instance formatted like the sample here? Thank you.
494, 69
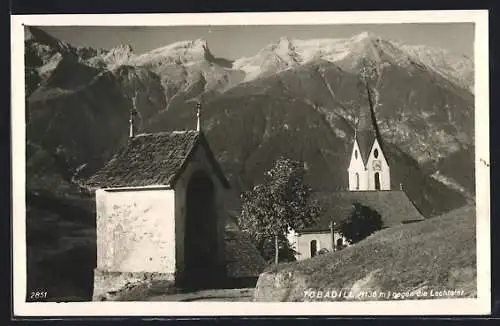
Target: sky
232, 42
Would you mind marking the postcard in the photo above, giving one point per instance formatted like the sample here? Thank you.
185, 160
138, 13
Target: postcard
217, 164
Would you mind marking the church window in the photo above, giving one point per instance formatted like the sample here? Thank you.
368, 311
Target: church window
356, 154
375, 153
357, 181
314, 248
377, 181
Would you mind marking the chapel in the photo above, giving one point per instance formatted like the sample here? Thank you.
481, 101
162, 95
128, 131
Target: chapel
160, 215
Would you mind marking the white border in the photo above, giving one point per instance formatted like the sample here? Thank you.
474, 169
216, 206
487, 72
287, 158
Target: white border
481, 305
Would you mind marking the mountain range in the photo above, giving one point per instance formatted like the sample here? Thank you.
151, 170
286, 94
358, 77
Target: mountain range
294, 97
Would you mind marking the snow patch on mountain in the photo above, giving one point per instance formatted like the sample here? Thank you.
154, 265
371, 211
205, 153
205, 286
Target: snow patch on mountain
347, 53
120, 55
183, 52
49, 66
287, 53
458, 68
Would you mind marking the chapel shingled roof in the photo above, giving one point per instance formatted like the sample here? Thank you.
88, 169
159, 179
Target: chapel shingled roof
394, 206
153, 159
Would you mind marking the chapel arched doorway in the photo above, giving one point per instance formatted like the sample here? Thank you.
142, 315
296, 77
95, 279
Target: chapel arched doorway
200, 238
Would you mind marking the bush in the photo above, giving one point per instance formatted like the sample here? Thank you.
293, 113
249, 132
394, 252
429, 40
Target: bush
362, 222
323, 251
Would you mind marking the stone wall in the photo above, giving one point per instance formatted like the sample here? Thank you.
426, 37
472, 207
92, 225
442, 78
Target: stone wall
122, 286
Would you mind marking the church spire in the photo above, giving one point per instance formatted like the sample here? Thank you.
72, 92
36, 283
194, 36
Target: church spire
368, 168
198, 114
366, 130
132, 118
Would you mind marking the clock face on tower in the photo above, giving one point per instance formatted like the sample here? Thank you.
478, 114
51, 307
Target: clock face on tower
377, 165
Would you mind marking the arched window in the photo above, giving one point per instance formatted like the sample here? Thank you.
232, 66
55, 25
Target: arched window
356, 154
377, 181
357, 181
375, 153
314, 248
339, 243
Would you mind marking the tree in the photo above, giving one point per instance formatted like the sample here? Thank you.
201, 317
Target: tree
267, 249
281, 203
362, 222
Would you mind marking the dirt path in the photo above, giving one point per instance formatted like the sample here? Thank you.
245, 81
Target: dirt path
226, 295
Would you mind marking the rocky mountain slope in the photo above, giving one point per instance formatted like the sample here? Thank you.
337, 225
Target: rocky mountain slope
297, 98
294, 97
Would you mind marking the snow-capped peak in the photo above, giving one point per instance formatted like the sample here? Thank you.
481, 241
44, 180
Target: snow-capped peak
286, 53
458, 68
181, 52
122, 48
119, 55
347, 52
200, 42
364, 36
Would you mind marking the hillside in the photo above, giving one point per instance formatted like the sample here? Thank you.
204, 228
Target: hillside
436, 254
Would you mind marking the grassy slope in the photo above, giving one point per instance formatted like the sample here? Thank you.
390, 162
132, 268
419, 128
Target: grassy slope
439, 253
61, 250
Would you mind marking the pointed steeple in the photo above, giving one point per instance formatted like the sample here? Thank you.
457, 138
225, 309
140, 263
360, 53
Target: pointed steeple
131, 124
366, 130
133, 118
198, 116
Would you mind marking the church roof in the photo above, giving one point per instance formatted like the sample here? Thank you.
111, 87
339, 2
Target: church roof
394, 207
366, 131
153, 159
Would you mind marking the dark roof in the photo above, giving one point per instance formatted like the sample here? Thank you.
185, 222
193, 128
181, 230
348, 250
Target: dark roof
242, 258
153, 159
394, 206
366, 131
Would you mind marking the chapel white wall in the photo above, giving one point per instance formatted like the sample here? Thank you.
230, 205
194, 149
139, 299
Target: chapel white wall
136, 231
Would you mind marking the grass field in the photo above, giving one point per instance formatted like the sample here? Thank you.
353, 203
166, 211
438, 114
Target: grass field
436, 254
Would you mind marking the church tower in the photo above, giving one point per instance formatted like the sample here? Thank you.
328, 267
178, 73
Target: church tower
368, 168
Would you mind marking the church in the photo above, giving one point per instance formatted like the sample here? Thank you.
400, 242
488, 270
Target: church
369, 184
